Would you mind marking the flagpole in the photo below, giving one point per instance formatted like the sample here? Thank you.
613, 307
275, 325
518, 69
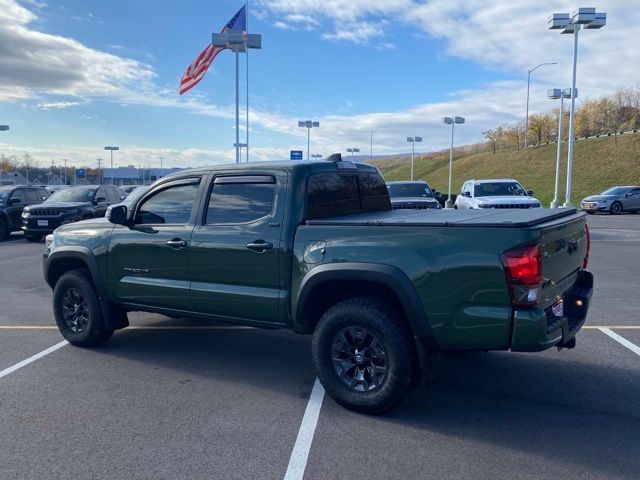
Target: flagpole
237, 107
247, 29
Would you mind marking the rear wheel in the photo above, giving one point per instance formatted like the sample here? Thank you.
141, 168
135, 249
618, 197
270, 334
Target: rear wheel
616, 208
76, 308
4, 230
364, 355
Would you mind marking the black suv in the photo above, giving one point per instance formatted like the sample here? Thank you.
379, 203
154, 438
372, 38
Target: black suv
13, 199
66, 206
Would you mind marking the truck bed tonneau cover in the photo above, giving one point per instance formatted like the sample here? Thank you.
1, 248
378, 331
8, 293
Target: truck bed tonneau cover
524, 218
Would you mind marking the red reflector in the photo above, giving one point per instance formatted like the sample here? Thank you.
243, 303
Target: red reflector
523, 265
585, 263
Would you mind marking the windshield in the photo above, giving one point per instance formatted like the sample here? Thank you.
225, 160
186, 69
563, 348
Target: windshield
495, 189
79, 194
135, 194
616, 191
409, 190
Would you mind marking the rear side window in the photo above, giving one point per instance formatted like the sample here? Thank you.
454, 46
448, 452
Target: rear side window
236, 200
112, 195
32, 197
334, 194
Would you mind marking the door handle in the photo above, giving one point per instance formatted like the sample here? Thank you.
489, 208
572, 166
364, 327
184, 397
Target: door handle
177, 243
259, 246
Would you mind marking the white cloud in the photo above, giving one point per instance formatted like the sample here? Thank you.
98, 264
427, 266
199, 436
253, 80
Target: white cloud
58, 105
32, 63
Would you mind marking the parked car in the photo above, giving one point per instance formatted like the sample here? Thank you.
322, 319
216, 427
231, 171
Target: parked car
412, 195
13, 199
69, 205
127, 189
615, 201
55, 188
316, 247
497, 193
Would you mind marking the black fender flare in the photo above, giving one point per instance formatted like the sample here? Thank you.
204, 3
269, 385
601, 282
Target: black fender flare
388, 275
86, 256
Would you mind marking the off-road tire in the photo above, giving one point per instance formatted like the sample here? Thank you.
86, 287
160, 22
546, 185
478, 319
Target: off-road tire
93, 332
384, 321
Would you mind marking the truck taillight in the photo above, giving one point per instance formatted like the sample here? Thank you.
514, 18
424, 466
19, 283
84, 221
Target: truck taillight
585, 263
523, 268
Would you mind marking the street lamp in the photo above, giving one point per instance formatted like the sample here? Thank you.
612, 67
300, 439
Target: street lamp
451, 121
111, 150
526, 122
554, 94
589, 19
352, 151
316, 156
413, 141
371, 133
308, 124
4, 128
239, 147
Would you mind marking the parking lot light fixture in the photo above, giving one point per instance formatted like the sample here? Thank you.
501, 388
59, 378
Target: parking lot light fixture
555, 94
111, 150
308, 124
352, 151
371, 133
451, 121
526, 121
413, 141
588, 19
316, 156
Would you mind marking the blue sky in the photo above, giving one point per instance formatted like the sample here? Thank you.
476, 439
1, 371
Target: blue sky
84, 74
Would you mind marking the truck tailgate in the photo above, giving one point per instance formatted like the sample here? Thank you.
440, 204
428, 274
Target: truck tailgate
564, 245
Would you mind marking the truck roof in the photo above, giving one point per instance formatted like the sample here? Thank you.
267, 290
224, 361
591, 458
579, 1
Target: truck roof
312, 165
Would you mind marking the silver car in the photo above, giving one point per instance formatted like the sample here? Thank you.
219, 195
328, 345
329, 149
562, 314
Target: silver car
615, 201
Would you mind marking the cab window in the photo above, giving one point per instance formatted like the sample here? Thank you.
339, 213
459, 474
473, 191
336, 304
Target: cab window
245, 199
171, 205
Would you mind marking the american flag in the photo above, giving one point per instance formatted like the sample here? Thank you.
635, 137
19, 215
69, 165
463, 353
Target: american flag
195, 72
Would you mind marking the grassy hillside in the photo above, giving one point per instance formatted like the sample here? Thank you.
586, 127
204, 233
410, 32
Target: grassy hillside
598, 165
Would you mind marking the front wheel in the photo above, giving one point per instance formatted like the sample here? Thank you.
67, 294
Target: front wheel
364, 355
616, 208
76, 307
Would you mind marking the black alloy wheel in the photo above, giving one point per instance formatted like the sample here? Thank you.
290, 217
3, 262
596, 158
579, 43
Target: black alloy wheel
359, 359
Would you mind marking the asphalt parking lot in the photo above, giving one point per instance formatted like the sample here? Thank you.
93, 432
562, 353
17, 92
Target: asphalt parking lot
169, 399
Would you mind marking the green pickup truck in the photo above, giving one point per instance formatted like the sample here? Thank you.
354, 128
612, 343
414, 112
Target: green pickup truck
315, 247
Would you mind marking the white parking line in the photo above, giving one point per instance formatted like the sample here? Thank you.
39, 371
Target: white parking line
32, 359
621, 340
300, 453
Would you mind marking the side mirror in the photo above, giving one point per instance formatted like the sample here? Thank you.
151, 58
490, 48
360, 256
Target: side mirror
100, 200
436, 193
466, 194
530, 193
117, 214
14, 201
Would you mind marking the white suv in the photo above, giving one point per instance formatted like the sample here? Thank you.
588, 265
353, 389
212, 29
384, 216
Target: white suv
496, 193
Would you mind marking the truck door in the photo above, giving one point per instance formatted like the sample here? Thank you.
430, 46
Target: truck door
235, 248
149, 261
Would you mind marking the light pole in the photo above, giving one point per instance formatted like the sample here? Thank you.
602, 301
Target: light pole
352, 151
316, 156
308, 124
526, 121
413, 141
371, 133
451, 121
554, 94
240, 146
590, 20
111, 150
65, 171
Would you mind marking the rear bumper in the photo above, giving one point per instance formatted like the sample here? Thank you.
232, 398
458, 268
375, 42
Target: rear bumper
537, 329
